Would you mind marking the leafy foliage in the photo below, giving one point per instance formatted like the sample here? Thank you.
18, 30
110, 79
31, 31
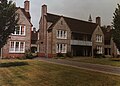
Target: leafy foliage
69, 54
13, 64
8, 20
28, 54
60, 55
116, 30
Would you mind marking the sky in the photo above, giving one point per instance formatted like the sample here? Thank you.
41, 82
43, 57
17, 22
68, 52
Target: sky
79, 9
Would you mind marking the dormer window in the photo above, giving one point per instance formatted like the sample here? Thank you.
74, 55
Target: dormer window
61, 34
19, 30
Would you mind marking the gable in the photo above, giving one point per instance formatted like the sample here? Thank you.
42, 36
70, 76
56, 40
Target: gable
80, 25
61, 24
22, 18
75, 25
107, 34
97, 31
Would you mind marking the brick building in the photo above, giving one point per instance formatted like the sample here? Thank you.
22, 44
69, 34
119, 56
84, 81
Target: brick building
34, 41
20, 40
109, 46
60, 34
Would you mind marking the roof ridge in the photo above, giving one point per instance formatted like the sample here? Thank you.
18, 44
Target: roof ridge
71, 18
27, 14
74, 24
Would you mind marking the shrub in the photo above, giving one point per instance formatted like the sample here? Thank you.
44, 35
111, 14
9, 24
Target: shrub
115, 59
68, 54
28, 54
21, 58
13, 64
60, 55
96, 55
99, 56
34, 55
118, 56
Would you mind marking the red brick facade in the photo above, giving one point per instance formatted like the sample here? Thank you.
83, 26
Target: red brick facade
83, 37
20, 41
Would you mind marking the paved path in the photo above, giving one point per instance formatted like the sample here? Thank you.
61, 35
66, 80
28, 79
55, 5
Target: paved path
87, 66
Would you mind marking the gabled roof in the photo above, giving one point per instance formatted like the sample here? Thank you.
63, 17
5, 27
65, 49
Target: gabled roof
52, 18
74, 24
27, 14
107, 34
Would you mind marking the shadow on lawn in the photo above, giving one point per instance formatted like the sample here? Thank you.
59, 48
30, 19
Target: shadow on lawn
13, 64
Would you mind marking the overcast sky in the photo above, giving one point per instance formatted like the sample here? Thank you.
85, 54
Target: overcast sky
80, 9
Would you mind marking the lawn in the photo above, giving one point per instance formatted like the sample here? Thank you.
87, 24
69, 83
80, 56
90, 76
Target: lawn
37, 73
103, 61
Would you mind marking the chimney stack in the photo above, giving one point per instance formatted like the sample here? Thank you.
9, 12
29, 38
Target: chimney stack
44, 10
109, 28
98, 20
26, 5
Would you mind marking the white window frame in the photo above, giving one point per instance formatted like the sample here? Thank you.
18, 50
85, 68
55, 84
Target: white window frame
99, 38
20, 27
100, 49
61, 34
61, 48
118, 52
14, 48
38, 36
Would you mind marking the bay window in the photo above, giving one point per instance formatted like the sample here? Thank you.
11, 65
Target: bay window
17, 47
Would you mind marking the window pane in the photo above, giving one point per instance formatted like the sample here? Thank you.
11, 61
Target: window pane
60, 47
12, 46
17, 29
61, 33
58, 33
21, 46
22, 29
65, 34
17, 46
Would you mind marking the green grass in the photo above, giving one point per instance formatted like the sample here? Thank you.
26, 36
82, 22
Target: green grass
103, 61
37, 73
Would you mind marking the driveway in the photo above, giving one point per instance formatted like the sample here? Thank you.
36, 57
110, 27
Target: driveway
87, 66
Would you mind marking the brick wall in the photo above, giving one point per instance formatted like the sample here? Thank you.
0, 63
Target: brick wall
27, 38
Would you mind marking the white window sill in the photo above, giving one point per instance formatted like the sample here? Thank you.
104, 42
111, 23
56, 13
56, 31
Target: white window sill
16, 51
98, 41
61, 38
61, 52
18, 34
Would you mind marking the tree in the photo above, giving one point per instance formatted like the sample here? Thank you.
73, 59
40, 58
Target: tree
8, 20
116, 25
